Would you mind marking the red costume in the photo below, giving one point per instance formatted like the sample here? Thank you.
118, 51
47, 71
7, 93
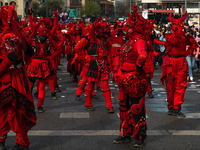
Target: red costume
175, 67
41, 66
118, 39
132, 81
149, 67
97, 47
16, 103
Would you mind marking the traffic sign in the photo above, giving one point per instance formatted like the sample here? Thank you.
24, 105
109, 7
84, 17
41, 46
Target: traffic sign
72, 12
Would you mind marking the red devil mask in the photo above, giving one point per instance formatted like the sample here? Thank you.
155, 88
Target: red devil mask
177, 24
119, 27
135, 23
42, 30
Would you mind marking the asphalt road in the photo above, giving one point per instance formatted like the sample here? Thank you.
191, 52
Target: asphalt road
66, 125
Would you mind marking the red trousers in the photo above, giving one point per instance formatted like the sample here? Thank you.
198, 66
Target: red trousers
13, 120
176, 81
106, 93
81, 86
41, 84
115, 65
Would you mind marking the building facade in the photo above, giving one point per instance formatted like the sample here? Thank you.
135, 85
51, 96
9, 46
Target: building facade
21, 6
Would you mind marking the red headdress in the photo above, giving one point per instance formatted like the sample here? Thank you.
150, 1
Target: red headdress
119, 26
135, 24
9, 22
177, 24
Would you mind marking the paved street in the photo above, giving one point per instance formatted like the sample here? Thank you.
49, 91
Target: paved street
66, 125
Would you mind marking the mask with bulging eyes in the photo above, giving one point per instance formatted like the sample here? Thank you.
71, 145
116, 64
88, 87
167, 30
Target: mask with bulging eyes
177, 24
11, 42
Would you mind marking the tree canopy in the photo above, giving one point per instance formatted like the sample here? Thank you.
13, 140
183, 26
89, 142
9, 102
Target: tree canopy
40, 9
91, 8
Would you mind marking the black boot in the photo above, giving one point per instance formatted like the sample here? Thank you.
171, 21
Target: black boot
57, 89
95, 96
53, 94
40, 109
2, 146
35, 95
178, 113
20, 147
171, 110
78, 97
150, 95
123, 139
139, 143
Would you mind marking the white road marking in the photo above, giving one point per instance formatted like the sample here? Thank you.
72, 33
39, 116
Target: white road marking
104, 132
75, 115
192, 115
185, 132
119, 116
157, 74
159, 89
71, 88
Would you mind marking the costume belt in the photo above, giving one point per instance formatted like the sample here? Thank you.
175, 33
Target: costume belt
176, 56
116, 45
97, 57
16, 66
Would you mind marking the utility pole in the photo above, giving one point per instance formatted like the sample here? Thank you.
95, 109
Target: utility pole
115, 8
46, 9
130, 6
186, 10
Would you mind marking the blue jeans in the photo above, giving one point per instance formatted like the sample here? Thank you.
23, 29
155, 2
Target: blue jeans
190, 64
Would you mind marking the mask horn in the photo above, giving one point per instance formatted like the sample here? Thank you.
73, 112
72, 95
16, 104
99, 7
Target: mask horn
10, 12
117, 22
171, 19
129, 15
184, 17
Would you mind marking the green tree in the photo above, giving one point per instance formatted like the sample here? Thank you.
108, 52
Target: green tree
128, 11
42, 11
36, 7
91, 8
120, 9
54, 4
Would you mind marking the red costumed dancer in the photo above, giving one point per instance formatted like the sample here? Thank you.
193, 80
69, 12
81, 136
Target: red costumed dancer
16, 103
132, 82
84, 78
149, 67
175, 67
118, 39
41, 65
97, 47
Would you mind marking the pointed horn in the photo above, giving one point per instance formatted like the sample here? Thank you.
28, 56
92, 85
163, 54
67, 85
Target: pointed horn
184, 17
171, 19
10, 12
129, 15
123, 22
117, 22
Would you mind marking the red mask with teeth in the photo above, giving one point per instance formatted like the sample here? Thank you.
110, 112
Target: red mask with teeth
177, 24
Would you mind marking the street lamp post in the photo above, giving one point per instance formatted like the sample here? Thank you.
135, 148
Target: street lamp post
46, 9
185, 9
